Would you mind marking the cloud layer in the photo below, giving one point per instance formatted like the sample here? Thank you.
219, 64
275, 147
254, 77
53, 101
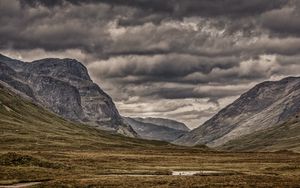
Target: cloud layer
182, 59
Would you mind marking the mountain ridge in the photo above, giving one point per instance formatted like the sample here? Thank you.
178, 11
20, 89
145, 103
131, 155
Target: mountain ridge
170, 123
266, 105
156, 128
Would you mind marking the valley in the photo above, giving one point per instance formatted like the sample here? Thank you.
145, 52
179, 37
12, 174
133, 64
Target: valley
149, 94
39, 146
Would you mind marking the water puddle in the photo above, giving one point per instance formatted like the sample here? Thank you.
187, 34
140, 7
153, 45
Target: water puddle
192, 173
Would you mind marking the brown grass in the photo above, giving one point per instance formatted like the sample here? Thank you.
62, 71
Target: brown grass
36, 145
125, 169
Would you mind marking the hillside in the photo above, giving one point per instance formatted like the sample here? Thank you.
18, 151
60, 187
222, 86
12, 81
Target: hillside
27, 126
282, 137
265, 106
64, 87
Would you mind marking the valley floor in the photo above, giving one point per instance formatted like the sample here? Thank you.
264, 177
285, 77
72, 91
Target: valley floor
149, 168
39, 146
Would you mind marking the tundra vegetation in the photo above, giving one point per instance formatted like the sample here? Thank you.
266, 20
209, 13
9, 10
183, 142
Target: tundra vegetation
38, 146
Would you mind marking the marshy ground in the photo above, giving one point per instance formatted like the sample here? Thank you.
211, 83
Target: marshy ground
149, 168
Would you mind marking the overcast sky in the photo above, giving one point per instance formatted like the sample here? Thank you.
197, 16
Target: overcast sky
179, 59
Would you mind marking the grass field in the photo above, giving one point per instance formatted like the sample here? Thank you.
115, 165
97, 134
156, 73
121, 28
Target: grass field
124, 168
38, 146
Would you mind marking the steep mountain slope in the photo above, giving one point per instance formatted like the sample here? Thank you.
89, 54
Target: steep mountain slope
65, 87
152, 131
282, 137
265, 106
15, 64
165, 123
25, 125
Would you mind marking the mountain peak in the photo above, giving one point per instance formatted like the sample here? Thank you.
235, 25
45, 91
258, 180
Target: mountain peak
59, 68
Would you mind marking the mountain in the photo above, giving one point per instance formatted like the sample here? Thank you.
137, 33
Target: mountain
64, 87
165, 123
157, 128
264, 107
30, 127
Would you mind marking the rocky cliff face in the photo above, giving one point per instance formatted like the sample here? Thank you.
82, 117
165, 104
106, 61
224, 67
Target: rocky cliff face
266, 105
157, 128
65, 87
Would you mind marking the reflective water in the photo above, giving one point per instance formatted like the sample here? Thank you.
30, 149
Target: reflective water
191, 173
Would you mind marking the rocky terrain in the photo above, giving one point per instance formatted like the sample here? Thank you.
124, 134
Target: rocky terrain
264, 107
65, 87
157, 128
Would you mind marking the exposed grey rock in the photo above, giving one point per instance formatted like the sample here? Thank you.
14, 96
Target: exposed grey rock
65, 87
153, 131
13, 80
62, 98
266, 105
12, 63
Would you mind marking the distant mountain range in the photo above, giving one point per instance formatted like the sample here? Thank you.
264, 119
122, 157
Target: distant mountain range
165, 123
259, 119
157, 128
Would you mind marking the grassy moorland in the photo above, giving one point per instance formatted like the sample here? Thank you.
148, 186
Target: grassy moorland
38, 146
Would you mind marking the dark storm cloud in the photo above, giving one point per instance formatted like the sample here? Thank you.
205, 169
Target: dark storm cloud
83, 26
183, 7
53, 30
181, 93
150, 54
187, 69
156, 10
170, 68
284, 21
